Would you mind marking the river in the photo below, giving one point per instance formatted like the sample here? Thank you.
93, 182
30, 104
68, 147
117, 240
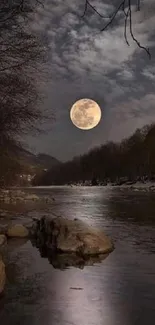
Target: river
119, 291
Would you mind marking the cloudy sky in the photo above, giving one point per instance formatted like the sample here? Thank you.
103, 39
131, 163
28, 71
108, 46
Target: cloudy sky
87, 63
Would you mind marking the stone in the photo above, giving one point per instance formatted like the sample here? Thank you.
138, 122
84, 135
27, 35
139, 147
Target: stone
17, 230
3, 240
72, 236
2, 275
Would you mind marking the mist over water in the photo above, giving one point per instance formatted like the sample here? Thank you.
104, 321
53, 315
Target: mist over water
120, 290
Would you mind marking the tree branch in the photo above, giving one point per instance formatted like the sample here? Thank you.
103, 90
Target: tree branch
132, 35
87, 3
113, 16
125, 27
127, 15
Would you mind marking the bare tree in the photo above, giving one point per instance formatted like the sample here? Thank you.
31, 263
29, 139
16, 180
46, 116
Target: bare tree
126, 8
9, 161
21, 57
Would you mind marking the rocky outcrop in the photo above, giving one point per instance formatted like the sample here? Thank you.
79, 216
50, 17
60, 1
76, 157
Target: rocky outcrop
2, 275
18, 231
70, 237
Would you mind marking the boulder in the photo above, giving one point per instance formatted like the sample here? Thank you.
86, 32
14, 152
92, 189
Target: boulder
17, 231
3, 240
71, 236
2, 275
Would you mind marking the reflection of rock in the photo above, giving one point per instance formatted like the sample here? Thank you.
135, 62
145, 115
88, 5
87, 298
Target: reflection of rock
2, 275
14, 243
18, 231
70, 242
63, 261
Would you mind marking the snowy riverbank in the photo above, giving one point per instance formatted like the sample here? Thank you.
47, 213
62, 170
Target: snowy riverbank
138, 186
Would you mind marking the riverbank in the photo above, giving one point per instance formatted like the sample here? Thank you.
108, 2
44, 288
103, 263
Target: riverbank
22, 195
138, 186
147, 186
14, 195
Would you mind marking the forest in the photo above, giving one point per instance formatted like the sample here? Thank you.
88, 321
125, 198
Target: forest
133, 159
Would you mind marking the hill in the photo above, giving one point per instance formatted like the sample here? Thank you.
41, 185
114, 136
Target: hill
46, 160
42, 161
33, 166
130, 160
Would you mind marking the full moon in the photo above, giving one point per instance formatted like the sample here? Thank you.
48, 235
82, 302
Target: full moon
85, 114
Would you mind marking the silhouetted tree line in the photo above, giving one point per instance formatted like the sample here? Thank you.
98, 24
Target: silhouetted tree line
133, 158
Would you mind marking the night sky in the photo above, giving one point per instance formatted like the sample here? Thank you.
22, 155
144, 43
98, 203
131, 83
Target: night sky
86, 63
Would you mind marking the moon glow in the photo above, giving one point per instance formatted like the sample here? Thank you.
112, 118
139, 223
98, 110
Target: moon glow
85, 114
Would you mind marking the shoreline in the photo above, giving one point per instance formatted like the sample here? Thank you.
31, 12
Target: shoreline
137, 185
109, 185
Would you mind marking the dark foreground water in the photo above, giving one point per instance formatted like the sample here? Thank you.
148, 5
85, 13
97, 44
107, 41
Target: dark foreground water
120, 291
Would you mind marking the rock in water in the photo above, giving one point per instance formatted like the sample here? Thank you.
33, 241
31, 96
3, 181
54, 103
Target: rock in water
3, 240
18, 231
2, 275
71, 236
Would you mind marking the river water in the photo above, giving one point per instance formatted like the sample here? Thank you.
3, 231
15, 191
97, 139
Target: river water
119, 291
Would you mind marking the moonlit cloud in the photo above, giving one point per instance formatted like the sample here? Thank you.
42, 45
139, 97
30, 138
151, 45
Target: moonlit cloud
84, 62
149, 72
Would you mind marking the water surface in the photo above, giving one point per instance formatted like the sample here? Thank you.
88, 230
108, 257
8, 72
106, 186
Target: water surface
120, 290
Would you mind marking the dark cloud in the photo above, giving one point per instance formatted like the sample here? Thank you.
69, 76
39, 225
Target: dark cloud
85, 63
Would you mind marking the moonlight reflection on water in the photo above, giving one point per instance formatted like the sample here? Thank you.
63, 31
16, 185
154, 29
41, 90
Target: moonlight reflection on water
118, 291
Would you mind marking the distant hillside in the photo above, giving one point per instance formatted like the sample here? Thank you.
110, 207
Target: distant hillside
34, 162
46, 160
130, 160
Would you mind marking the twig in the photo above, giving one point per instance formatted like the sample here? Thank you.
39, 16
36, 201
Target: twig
127, 15
125, 27
113, 16
132, 35
87, 3
85, 9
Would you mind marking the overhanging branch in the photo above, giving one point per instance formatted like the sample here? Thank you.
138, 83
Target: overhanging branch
126, 8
